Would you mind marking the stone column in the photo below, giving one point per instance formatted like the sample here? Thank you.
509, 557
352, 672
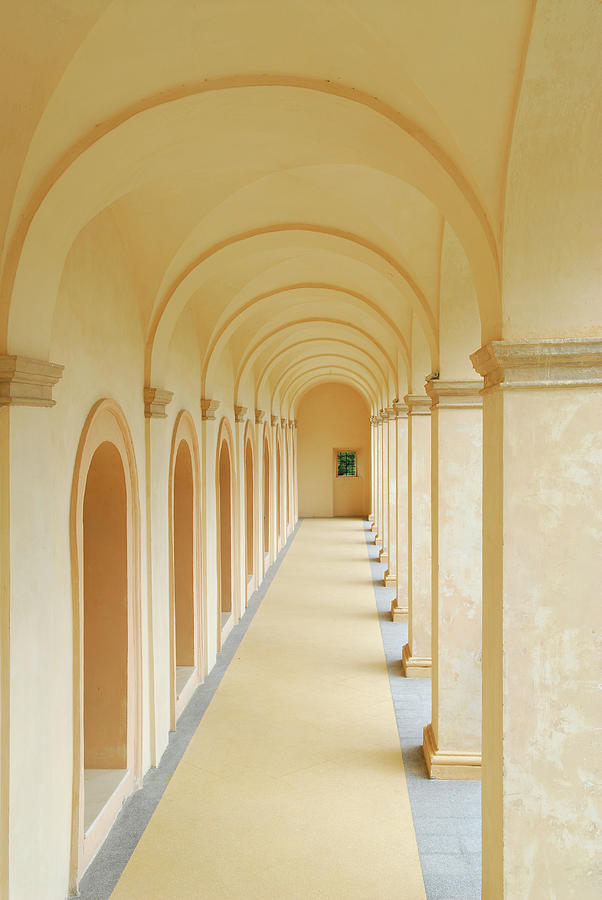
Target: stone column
372, 516
383, 556
391, 426
452, 742
542, 571
399, 606
416, 657
379, 482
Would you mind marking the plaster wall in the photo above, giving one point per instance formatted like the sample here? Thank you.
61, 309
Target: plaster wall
542, 706
456, 468
332, 416
419, 515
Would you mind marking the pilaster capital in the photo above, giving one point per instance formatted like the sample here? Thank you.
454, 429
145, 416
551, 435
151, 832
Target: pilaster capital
291, 423
259, 416
155, 402
455, 394
538, 364
274, 420
418, 404
374, 420
283, 422
388, 413
27, 382
209, 408
240, 413
400, 410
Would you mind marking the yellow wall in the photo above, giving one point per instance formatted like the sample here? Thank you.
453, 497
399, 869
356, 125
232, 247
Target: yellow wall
333, 416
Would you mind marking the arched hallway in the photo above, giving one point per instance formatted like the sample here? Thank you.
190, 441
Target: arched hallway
282, 259
306, 795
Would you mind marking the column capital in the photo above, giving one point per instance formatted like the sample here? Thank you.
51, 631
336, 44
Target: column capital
418, 404
27, 382
291, 423
400, 410
240, 413
283, 422
155, 402
209, 408
259, 416
374, 420
274, 421
455, 394
537, 364
389, 413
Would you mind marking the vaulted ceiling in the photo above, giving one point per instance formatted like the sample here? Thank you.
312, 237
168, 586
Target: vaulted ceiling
283, 172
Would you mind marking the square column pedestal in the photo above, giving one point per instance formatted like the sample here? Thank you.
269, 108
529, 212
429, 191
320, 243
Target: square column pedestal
399, 606
416, 655
452, 742
542, 571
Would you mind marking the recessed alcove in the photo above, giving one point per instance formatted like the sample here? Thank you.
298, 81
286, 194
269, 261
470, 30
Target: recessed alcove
183, 556
225, 537
105, 666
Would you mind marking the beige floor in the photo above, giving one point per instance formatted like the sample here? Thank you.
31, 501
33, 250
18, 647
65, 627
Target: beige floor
293, 785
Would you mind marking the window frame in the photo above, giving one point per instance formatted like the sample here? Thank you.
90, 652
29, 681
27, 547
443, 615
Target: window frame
338, 450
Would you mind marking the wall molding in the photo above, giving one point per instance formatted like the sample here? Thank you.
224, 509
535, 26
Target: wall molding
155, 402
209, 408
28, 382
537, 364
455, 394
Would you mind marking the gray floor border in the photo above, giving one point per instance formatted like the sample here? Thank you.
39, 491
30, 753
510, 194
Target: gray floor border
447, 814
105, 870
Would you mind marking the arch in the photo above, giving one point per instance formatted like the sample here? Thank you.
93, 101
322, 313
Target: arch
310, 321
287, 378
105, 567
328, 376
334, 340
367, 390
311, 285
428, 166
186, 625
225, 481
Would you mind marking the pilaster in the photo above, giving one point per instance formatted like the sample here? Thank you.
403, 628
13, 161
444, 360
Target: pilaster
416, 656
383, 555
399, 606
452, 745
390, 578
542, 570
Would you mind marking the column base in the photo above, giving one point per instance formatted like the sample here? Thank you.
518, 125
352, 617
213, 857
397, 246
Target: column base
415, 666
399, 613
464, 766
390, 579
383, 556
